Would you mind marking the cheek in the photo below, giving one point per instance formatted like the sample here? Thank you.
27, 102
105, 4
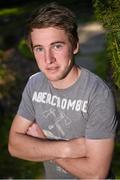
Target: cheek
39, 60
38, 56
66, 54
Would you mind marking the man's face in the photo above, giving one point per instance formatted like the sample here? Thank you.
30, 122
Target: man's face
53, 52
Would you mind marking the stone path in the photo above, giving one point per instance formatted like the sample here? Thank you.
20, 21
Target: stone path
92, 41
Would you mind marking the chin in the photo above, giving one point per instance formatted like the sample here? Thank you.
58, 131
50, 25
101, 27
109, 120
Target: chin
57, 76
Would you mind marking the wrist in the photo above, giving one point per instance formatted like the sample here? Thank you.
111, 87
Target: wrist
64, 150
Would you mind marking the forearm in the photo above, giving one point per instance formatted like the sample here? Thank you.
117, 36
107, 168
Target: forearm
42, 149
36, 149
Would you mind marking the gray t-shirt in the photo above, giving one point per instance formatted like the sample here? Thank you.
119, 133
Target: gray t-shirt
86, 109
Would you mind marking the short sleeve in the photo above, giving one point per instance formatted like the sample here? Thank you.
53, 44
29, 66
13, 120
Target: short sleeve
102, 122
26, 108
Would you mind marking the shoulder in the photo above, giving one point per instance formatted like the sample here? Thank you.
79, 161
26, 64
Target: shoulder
36, 81
96, 86
36, 76
94, 79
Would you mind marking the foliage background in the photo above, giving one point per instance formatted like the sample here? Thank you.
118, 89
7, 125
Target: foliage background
108, 13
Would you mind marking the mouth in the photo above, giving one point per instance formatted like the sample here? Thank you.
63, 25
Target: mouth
52, 69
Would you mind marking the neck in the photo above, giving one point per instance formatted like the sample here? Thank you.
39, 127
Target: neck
69, 80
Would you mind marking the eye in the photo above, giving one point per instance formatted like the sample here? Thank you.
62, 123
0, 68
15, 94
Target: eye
58, 46
38, 49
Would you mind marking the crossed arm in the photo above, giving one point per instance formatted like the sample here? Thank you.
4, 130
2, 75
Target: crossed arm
83, 158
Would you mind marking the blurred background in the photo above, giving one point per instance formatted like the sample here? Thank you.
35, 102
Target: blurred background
99, 35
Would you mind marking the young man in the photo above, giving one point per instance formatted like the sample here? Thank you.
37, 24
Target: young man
73, 108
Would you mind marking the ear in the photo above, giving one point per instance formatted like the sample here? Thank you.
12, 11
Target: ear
75, 51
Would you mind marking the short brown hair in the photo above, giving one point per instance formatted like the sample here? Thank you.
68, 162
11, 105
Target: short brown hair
54, 15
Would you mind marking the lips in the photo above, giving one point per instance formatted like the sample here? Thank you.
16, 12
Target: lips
52, 68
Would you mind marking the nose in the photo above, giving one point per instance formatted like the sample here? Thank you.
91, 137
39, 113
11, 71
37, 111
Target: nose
49, 56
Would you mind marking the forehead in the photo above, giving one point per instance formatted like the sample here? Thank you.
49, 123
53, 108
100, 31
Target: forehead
48, 35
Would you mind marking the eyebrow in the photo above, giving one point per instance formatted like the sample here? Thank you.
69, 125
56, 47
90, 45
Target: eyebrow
56, 42
61, 42
36, 46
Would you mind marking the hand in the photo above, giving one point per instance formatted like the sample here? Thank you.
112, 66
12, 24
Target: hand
35, 131
76, 148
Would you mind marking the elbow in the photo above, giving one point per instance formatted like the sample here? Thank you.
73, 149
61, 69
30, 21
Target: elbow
99, 177
96, 171
95, 175
98, 174
13, 145
11, 150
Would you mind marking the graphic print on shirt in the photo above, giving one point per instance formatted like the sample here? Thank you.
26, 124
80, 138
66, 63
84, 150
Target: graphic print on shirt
57, 120
62, 103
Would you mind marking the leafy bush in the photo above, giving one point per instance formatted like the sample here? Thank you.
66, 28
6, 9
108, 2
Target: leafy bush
23, 48
102, 64
108, 12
